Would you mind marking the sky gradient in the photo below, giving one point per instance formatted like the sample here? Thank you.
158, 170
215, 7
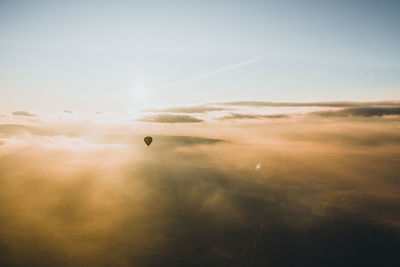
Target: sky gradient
275, 127
98, 55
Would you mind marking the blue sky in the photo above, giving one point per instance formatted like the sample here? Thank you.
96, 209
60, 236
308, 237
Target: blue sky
117, 55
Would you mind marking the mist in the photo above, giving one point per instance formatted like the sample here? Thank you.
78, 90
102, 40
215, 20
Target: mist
306, 190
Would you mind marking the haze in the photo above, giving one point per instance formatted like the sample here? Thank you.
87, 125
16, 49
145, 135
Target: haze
275, 126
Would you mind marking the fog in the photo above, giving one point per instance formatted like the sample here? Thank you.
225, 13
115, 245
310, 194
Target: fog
326, 191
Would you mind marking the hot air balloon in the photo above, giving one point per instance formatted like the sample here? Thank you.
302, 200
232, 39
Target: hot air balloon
148, 140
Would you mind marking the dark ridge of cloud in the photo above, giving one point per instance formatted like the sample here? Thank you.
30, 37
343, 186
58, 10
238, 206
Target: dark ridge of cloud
170, 118
310, 104
188, 109
360, 139
10, 129
158, 140
238, 116
360, 112
18, 129
68, 111
23, 113
188, 140
275, 116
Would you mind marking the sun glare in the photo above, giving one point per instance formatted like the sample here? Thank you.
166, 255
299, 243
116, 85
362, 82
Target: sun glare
140, 95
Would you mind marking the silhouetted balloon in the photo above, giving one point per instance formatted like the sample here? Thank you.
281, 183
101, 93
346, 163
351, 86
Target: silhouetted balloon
148, 140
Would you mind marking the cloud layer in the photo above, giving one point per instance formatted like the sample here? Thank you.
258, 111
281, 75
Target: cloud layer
309, 104
326, 192
362, 112
271, 110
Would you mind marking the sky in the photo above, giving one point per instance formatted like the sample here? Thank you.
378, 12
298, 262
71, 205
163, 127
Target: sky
275, 128
126, 55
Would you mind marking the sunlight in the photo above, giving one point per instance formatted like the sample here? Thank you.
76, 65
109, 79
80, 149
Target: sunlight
140, 95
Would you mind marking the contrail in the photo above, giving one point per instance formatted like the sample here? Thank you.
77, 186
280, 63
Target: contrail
211, 73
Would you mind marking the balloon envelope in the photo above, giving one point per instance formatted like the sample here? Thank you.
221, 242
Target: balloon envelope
148, 140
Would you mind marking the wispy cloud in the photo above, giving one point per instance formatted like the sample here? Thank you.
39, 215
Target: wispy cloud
23, 113
238, 116
187, 140
361, 112
170, 118
187, 109
310, 104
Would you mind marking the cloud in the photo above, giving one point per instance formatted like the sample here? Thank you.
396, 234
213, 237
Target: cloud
194, 199
12, 129
187, 140
361, 112
159, 141
308, 104
187, 109
23, 113
236, 116
222, 105
40, 130
170, 118
357, 138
